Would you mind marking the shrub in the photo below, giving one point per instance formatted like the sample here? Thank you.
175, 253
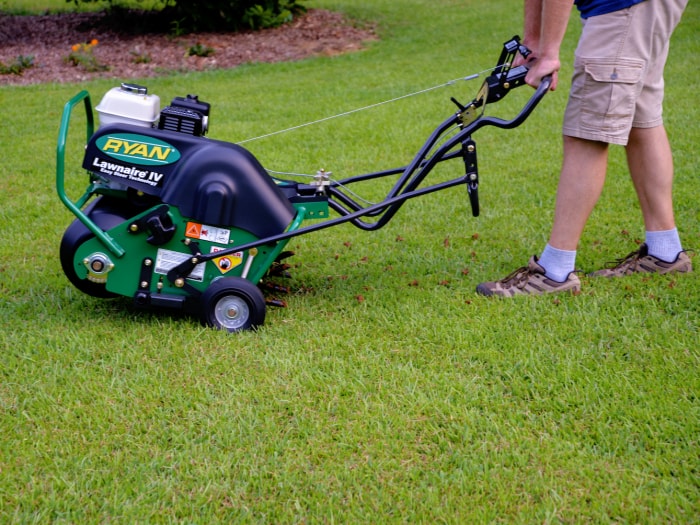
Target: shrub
18, 66
219, 15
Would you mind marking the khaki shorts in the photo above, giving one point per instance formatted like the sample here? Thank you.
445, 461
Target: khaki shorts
618, 78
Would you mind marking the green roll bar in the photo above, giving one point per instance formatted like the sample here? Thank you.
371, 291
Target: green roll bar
75, 207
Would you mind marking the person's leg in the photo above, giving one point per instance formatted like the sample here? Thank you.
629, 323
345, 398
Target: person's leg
648, 150
580, 185
651, 167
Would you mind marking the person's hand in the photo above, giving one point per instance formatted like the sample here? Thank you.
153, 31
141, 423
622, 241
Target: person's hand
533, 46
540, 68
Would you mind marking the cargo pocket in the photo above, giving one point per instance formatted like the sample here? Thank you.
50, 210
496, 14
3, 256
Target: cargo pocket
610, 93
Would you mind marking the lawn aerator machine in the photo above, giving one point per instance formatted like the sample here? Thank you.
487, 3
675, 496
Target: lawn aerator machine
177, 220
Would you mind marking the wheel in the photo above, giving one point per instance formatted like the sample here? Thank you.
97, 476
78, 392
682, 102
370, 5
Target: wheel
106, 214
233, 304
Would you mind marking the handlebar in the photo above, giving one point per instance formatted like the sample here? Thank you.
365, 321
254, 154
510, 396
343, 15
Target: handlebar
524, 113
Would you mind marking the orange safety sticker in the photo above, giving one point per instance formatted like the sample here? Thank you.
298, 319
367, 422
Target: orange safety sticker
193, 230
203, 232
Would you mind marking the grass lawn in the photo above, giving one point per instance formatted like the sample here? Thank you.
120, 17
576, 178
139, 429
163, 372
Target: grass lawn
387, 391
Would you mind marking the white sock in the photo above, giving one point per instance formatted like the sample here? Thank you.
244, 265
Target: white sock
666, 245
558, 264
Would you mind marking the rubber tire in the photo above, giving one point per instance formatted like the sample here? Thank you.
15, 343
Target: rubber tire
246, 299
106, 213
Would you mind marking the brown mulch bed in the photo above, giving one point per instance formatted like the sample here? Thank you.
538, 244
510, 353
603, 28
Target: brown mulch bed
49, 39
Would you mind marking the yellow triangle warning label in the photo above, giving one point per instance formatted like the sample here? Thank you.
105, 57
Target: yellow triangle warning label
226, 264
229, 262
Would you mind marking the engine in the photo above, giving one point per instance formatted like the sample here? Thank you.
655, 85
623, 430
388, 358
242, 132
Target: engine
185, 115
131, 104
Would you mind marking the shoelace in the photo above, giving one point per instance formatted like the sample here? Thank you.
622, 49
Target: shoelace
628, 260
517, 277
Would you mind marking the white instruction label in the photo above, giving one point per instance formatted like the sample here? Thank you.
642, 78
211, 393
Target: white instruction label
169, 259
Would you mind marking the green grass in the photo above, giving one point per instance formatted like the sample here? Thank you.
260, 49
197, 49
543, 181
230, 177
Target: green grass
387, 392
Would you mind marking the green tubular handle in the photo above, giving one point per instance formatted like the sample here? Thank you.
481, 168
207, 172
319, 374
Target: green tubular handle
83, 96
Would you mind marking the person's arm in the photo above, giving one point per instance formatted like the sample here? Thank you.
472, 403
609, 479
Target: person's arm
532, 26
532, 15
553, 22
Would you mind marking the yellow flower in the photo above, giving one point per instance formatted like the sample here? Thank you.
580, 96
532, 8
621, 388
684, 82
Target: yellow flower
75, 47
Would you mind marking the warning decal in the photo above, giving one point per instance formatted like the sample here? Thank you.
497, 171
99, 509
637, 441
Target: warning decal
194, 230
207, 233
227, 262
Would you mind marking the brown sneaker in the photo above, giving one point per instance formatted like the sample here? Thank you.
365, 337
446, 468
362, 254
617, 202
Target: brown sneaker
640, 261
529, 280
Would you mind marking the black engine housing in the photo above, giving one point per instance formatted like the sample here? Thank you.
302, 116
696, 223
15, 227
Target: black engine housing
210, 181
